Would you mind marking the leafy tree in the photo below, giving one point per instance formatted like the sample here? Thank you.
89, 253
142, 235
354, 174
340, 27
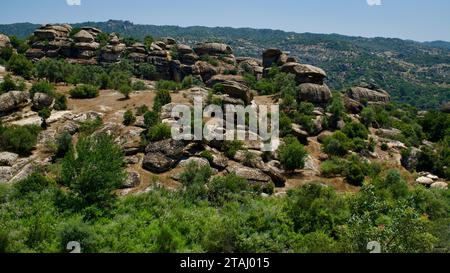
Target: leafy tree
84, 92
338, 144
151, 118
92, 170
355, 130
44, 114
42, 87
162, 98
337, 110
128, 118
147, 71
126, 91
63, 144
20, 65
60, 102
292, 154
368, 116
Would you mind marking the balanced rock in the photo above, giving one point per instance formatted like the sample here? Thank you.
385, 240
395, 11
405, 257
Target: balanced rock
41, 101
304, 73
274, 56
213, 49
314, 93
83, 36
362, 94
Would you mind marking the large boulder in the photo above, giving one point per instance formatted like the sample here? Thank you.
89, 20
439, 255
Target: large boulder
41, 101
13, 100
274, 56
233, 86
158, 162
4, 41
83, 36
8, 159
205, 70
353, 106
213, 49
304, 73
363, 94
252, 175
314, 93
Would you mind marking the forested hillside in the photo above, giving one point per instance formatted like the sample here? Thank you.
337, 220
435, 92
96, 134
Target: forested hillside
413, 72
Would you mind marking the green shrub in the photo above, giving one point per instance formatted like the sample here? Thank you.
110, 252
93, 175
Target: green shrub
139, 86
285, 125
368, 116
141, 110
84, 92
128, 118
60, 102
77, 231
354, 173
292, 154
44, 114
18, 139
207, 155
211, 60
384, 147
42, 87
90, 126
355, 130
63, 144
230, 148
218, 88
159, 132
338, 144
35, 182
8, 84
126, 90
151, 119
92, 170
20, 65
147, 71
162, 98
167, 85
190, 81
332, 167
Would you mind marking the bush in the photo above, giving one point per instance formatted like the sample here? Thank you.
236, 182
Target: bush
93, 170
84, 92
226, 188
332, 168
190, 81
285, 125
384, 147
63, 144
60, 102
126, 90
8, 84
35, 182
230, 148
354, 173
119, 78
128, 118
90, 126
44, 114
338, 144
292, 154
147, 71
20, 65
18, 139
162, 98
159, 132
167, 85
77, 231
355, 130
42, 87
151, 119
207, 155
368, 116
337, 111
141, 110
218, 88
139, 86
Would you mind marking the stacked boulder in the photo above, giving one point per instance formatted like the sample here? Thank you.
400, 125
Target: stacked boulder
184, 63
310, 79
159, 57
234, 86
250, 65
368, 94
85, 47
222, 54
50, 41
113, 51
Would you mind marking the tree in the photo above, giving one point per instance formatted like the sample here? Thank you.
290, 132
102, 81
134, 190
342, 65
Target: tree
18, 139
162, 98
44, 87
292, 154
63, 144
20, 65
128, 118
151, 118
92, 170
336, 109
368, 116
338, 144
355, 130
84, 91
126, 90
8, 84
44, 114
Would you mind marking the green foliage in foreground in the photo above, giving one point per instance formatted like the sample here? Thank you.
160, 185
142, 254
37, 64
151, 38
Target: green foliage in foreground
224, 214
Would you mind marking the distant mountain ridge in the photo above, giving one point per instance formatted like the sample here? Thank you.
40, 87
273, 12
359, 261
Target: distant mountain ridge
413, 72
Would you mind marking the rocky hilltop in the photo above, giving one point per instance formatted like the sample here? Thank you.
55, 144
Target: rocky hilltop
215, 74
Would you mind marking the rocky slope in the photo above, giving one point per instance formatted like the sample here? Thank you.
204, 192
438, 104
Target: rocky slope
163, 161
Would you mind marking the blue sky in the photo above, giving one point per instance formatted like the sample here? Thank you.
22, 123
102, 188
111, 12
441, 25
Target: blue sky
421, 20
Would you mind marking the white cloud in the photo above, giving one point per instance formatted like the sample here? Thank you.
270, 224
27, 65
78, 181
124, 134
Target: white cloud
73, 2
374, 2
